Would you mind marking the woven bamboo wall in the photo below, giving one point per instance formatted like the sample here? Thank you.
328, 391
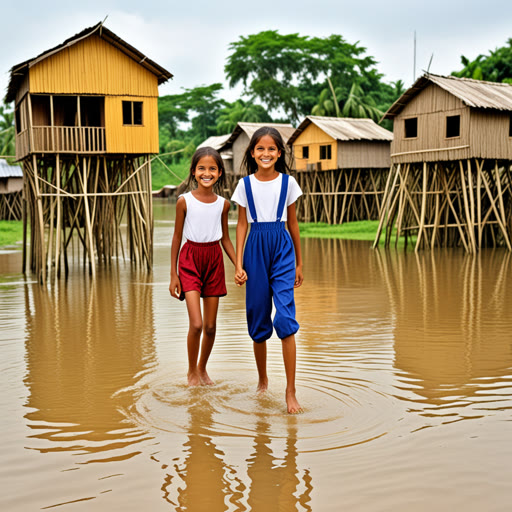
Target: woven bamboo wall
92, 66
364, 155
431, 107
131, 139
490, 134
314, 137
239, 146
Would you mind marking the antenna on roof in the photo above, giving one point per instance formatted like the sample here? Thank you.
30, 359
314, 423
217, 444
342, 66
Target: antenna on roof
102, 23
429, 62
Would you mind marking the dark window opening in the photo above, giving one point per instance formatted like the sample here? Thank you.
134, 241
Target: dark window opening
411, 128
510, 126
325, 152
305, 151
65, 111
132, 113
18, 121
137, 112
41, 114
92, 111
452, 126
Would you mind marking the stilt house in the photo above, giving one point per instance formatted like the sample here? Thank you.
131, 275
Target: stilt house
450, 183
11, 187
341, 165
86, 121
239, 140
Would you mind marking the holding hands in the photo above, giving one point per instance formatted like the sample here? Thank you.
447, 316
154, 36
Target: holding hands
240, 276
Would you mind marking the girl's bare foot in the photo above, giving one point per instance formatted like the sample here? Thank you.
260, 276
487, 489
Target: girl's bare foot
205, 378
262, 386
292, 403
193, 379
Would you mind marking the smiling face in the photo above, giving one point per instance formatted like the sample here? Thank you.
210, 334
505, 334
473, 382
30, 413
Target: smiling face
266, 153
206, 172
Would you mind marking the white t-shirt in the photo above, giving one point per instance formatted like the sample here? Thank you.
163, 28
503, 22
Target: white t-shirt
266, 197
203, 221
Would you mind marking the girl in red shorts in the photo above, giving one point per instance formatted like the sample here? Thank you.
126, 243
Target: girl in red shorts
198, 271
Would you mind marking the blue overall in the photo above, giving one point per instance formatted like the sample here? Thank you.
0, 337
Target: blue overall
269, 260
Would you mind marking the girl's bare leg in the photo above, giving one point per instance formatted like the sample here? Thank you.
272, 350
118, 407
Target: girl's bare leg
210, 308
260, 354
290, 361
195, 328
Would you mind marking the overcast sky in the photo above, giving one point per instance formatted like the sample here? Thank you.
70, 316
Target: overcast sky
191, 38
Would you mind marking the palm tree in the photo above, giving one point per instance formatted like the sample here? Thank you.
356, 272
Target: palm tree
328, 104
241, 111
359, 105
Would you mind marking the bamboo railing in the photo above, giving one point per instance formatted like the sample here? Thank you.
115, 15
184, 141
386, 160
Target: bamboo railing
68, 139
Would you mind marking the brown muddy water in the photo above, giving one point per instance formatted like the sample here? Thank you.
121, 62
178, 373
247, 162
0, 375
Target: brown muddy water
404, 371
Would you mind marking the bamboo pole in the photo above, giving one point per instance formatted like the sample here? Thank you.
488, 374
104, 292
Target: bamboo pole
41, 244
386, 201
470, 231
89, 237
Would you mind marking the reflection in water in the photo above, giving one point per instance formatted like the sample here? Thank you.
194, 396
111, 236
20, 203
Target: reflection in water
395, 352
85, 341
206, 481
452, 334
275, 481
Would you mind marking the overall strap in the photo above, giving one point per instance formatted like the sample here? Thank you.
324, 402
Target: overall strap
250, 198
282, 197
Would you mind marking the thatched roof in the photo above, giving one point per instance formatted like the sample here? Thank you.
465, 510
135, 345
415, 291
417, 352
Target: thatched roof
215, 141
285, 129
345, 129
19, 71
10, 171
473, 93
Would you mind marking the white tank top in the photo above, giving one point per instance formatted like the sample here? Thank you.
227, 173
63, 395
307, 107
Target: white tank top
203, 221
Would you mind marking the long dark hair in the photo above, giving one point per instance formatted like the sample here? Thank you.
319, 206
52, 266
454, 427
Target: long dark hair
200, 153
248, 161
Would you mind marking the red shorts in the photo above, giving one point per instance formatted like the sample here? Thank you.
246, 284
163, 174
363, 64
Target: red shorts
201, 268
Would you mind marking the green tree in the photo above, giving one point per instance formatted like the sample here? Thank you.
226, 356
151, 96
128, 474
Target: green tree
204, 106
359, 105
240, 111
289, 72
495, 67
328, 103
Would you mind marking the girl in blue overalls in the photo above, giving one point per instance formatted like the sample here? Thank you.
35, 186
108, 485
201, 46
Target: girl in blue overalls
271, 265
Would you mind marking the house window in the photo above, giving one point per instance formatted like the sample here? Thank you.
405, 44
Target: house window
132, 113
452, 126
18, 121
325, 152
510, 126
411, 128
305, 151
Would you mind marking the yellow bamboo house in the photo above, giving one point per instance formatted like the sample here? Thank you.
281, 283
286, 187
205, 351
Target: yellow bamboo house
341, 165
86, 119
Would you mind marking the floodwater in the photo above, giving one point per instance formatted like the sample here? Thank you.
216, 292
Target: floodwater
404, 371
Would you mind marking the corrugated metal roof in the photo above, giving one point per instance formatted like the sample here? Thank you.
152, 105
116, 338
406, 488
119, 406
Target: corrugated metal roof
10, 171
473, 93
345, 128
215, 142
19, 71
286, 130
